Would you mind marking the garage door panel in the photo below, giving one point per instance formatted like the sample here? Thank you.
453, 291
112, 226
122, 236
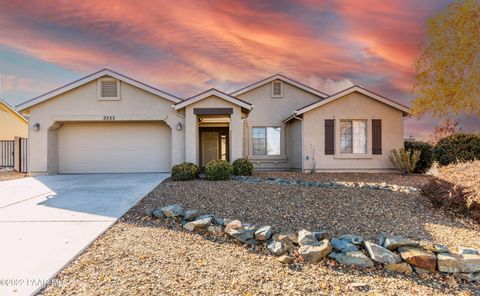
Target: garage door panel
114, 147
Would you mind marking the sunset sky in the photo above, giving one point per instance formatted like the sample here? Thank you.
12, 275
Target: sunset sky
184, 47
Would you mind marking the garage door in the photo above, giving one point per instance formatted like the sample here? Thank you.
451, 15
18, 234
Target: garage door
119, 147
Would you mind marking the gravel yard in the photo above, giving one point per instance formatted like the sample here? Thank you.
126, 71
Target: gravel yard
141, 255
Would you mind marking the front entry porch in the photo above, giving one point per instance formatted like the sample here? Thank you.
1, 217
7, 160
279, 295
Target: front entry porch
214, 144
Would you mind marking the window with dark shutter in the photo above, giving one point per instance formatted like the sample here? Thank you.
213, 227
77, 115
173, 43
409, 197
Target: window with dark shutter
329, 136
376, 136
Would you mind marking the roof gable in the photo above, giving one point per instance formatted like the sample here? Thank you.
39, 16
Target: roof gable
355, 88
92, 77
13, 111
282, 78
213, 92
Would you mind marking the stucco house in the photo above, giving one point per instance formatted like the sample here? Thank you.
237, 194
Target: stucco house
12, 124
107, 122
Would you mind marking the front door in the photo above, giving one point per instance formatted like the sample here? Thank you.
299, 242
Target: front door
213, 144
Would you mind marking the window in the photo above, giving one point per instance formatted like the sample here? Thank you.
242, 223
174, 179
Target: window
353, 136
266, 140
108, 89
277, 89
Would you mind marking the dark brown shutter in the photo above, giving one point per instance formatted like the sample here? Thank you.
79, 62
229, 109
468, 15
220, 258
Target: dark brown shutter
329, 136
376, 136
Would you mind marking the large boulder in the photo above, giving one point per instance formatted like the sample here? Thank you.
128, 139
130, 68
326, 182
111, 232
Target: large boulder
263, 233
453, 263
394, 242
277, 248
402, 267
306, 237
172, 211
380, 254
315, 253
419, 258
199, 223
356, 258
343, 246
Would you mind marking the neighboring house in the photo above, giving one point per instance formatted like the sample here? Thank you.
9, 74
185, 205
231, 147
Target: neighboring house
12, 124
109, 123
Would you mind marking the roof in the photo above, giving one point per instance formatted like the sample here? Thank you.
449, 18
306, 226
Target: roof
282, 78
355, 88
213, 92
3, 103
92, 77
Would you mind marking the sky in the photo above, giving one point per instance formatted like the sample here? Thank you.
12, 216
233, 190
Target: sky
185, 47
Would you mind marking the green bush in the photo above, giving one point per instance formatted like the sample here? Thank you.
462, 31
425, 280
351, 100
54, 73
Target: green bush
184, 171
457, 147
218, 169
426, 155
242, 167
405, 161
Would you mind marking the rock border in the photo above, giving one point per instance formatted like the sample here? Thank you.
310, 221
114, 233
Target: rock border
327, 185
394, 253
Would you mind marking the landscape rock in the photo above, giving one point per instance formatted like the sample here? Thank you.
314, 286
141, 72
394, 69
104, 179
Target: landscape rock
357, 258
353, 239
453, 263
291, 237
421, 270
469, 277
158, 213
172, 211
215, 229
419, 258
341, 245
219, 221
190, 215
306, 237
243, 233
317, 252
402, 267
394, 242
277, 248
469, 251
199, 223
380, 254
232, 225
435, 248
148, 212
322, 234
285, 259
263, 233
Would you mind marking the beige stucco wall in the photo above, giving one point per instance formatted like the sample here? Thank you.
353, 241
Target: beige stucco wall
11, 125
352, 106
191, 128
81, 104
271, 111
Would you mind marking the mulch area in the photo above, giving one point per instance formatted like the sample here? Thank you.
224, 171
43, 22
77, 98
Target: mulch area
141, 255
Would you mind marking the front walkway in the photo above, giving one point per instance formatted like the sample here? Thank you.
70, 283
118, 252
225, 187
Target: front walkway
45, 222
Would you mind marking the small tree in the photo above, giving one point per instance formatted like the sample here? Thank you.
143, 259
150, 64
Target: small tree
447, 128
404, 160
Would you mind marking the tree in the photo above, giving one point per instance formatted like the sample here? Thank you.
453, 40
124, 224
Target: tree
448, 69
447, 128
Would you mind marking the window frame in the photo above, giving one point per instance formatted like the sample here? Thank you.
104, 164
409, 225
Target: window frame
99, 90
266, 141
272, 92
352, 140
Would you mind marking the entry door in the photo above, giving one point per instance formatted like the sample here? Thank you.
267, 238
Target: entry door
210, 147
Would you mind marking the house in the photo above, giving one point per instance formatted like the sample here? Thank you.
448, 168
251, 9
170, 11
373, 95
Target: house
107, 122
12, 124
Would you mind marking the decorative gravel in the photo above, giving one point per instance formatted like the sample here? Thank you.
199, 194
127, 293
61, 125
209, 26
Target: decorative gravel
141, 255
9, 175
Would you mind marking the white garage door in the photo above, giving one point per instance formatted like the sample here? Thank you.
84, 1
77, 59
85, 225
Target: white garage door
117, 147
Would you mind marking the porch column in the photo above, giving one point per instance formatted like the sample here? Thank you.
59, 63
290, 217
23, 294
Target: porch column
236, 135
191, 136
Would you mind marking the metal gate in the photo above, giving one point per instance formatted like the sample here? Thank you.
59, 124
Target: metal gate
7, 154
23, 155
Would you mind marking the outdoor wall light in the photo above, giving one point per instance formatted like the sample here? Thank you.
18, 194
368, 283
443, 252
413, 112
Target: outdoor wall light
179, 126
36, 127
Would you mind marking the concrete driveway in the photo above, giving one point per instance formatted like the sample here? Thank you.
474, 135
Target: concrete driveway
45, 222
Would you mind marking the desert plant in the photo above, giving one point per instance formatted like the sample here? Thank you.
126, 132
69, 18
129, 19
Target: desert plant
404, 160
426, 155
242, 167
457, 148
218, 169
184, 171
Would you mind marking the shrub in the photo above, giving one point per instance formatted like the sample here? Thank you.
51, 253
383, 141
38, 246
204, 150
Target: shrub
457, 148
184, 171
218, 169
405, 161
426, 155
242, 167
